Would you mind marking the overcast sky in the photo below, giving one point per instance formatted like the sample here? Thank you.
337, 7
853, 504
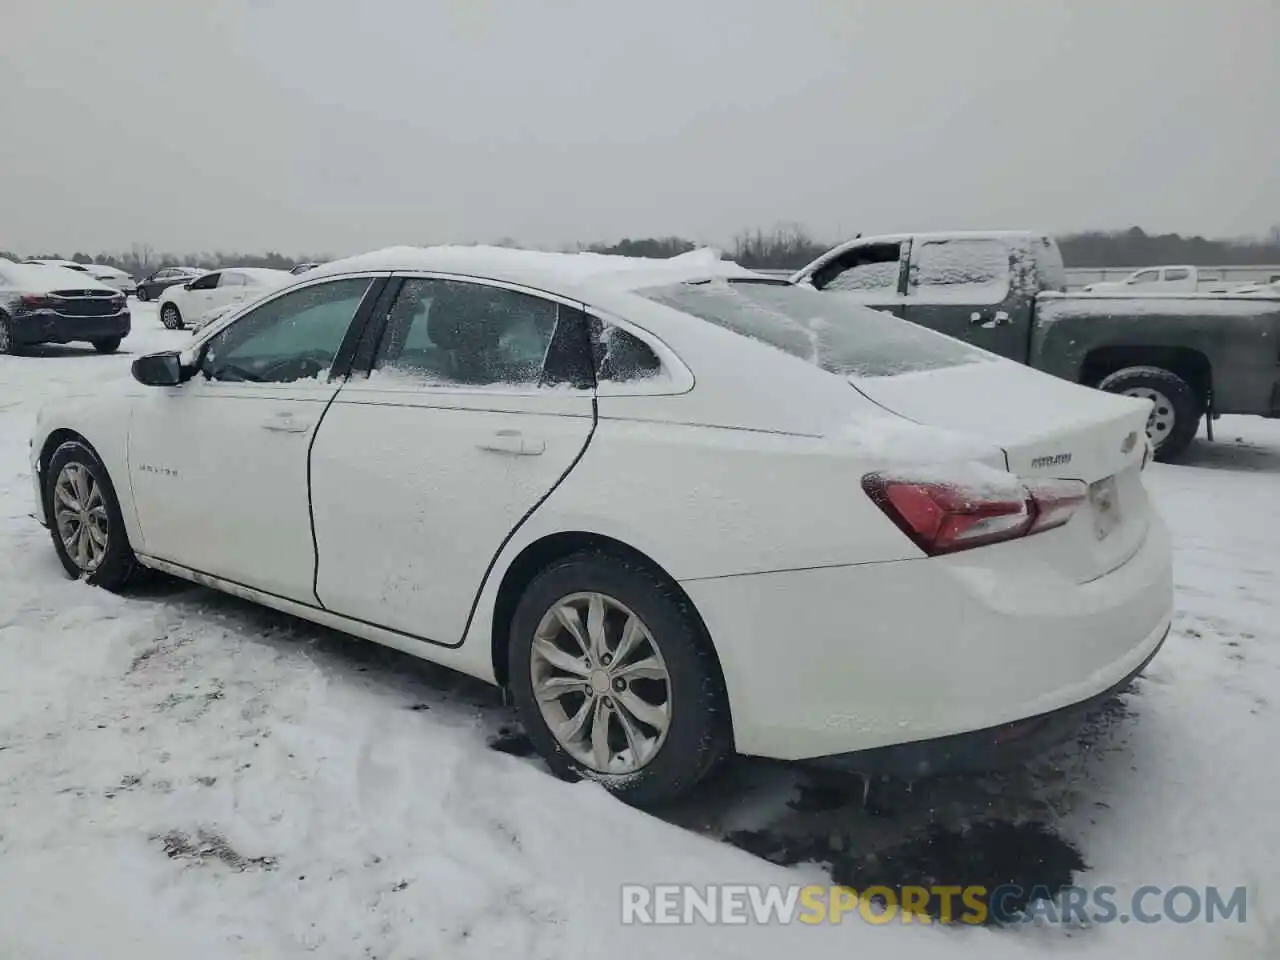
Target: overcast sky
330, 126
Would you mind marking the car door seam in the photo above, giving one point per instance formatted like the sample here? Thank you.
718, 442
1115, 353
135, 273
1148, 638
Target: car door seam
484, 580
311, 509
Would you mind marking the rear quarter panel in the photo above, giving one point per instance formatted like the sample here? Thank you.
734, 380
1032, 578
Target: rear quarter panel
1239, 336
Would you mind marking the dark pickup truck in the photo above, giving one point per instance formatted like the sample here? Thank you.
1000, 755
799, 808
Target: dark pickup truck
1193, 355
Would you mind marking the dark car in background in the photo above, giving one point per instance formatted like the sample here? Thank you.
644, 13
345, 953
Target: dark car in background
151, 287
48, 304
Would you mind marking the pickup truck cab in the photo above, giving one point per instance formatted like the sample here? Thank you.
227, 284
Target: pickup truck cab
1193, 355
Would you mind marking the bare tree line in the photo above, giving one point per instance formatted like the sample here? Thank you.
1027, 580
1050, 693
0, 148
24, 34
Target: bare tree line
785, 246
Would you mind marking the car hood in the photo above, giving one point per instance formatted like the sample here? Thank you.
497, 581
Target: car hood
1047, 427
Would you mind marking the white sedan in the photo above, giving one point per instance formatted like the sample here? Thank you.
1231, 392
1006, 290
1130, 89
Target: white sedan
183, 303
669, 505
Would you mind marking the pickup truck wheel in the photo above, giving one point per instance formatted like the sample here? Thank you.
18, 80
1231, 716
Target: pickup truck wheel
1175, 412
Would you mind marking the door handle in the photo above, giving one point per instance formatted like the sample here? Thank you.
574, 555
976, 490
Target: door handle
285, 423
988, 322
513, 442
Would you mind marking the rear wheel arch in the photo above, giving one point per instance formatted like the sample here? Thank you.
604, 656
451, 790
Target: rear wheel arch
1187, 364
539, 555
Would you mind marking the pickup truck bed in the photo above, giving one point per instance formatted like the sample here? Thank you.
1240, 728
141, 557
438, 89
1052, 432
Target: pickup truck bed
1193, 355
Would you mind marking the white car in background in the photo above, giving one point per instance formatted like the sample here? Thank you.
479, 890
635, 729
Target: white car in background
183, 304
669, 505
112, 277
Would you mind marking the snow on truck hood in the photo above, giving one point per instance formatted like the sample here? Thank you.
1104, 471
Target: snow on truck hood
1046, 426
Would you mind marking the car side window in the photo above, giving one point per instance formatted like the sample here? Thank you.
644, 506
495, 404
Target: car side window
296, 336
207, 282
871, 267
1177, 273
232, 279
624, 357
1146, 276
976, 270
456, 332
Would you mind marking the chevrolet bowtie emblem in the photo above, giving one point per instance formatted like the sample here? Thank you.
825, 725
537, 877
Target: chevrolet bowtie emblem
1129, 442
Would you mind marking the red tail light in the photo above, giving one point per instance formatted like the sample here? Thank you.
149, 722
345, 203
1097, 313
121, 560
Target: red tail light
943, 517
1054, 501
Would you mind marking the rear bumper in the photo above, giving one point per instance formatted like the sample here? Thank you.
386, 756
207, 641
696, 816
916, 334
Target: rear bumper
45, 326
837, 660
995, 748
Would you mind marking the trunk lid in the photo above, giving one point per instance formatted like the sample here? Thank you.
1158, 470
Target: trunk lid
1047, 428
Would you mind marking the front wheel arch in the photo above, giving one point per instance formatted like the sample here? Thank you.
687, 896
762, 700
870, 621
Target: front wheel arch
57, 439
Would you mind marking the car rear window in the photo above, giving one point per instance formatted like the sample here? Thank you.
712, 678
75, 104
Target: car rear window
827, 329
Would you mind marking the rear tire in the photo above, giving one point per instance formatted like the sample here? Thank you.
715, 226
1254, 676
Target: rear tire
141, 294
171, 317
107, 345
106, 559
1176, 411
665, 713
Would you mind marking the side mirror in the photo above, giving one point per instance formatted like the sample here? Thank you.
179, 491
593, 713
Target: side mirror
158, 369
187, 285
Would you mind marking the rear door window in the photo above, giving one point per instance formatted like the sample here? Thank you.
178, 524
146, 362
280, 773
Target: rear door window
464, 334
968, 270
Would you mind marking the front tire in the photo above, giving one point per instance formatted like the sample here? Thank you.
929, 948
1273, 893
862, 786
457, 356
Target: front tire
1175, 412
171, 316
615, 680
141, 294
107, 345
84, 518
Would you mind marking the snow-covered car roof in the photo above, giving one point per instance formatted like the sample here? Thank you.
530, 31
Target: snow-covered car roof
542, 269
65, 264
45, 277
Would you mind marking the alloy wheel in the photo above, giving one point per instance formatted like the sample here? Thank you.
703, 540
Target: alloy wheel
80, 515
1162, 417
601, 683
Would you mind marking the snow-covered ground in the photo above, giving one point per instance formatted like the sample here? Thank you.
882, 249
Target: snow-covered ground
183, 774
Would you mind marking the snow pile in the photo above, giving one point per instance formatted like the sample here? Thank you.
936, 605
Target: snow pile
904, 442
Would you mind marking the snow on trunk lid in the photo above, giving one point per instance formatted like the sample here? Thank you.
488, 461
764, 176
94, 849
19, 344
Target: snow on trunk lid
1048, 429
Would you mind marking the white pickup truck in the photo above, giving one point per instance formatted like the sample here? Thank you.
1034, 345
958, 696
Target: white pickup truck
1176, 279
